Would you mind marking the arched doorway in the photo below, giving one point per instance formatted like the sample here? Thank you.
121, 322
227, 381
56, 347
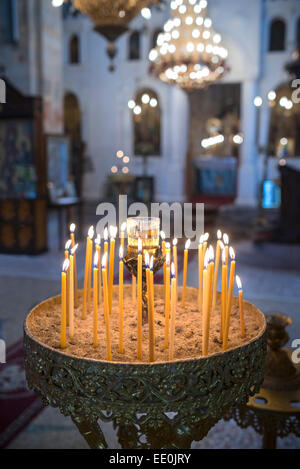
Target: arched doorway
147, 123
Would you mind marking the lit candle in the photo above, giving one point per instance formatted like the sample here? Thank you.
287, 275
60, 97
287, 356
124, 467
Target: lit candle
226, 243
241, 305
175, 260
139, 299
72, 235
106, 306
67, 254
163, 242
218, 253
123, 228
200, 272
205, 240
152, 296
89, 284
98, 250
229, 298
95, 298
121, 298
86, 271
167, 299
205, 305
173, 312
223, 293
185, 266
211, 266
167, 252
113, 232
105, 236
71, 290
150, 310
63, 334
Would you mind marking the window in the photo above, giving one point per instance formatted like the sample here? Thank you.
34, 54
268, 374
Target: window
134, 46
74, 50
147, 124
277, 35
8, 21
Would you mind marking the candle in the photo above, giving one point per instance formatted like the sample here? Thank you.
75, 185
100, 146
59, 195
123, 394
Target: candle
150, 309
113, 233
200, 272
133, 289
218, 252
71, 290
123, 228
241, 305
67, 254
226, 242
163, 242
167, 252
86, 271
63, 334
139, 299
223, 293
175, 261
106, 306
89, 283
205, 300
121, 298
229, 298
167, 299
152, 294
105, 236
72, 235
205, 240
173, 312
185, 265
98, 250
211, 274
95, 298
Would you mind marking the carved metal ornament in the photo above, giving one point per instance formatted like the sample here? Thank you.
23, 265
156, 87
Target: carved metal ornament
161, 405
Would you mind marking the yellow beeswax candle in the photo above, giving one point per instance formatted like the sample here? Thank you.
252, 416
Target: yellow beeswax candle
218, 252
167, 299
89, 284
123, 229
86, 271
205, 240
98, 250
211, 266
241, 305
105, 236
150, 310
63, 332
106, 306
67, 255
223, 293
226, 244
71, 290
163, 242
139, 299
185, 267
72, 235
152, 295
95, 298
173, 313
113, 233
121, 299
175, 260
200, 272
229, 298
205, 301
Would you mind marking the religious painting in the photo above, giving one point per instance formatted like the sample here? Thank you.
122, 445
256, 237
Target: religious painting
17, 165
147, 124
57, 151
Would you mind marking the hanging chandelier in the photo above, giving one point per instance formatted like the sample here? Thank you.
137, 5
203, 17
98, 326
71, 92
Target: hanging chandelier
111, 17
189, 53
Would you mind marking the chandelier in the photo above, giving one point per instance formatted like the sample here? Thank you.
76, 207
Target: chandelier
189, 53
111, 17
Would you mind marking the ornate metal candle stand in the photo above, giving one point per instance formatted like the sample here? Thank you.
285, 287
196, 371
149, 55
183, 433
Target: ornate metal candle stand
275, 411
160, 405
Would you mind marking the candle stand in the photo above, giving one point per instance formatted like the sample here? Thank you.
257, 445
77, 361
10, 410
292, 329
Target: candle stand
159, 405
275, 410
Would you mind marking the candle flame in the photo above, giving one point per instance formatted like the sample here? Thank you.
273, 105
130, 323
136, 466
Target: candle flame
201, 239
68, 245
123, 226
168, 245
151, 263
74, 249
162, 235
172, 270
211, 254
239, 282
187, 244
96, 259
113, 231
98, 240
147, 259
104, 261
222, 245
121, 253
232, 253
224, 257
91, 232
206, 236
226, 239
175, 241
65, 265
72, 227
140, 246
168, 259
219, 234
206, 259
105, 233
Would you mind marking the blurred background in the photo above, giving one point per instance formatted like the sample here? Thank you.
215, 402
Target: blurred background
169, 101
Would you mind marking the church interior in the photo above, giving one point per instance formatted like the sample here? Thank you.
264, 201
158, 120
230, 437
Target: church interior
170, 102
